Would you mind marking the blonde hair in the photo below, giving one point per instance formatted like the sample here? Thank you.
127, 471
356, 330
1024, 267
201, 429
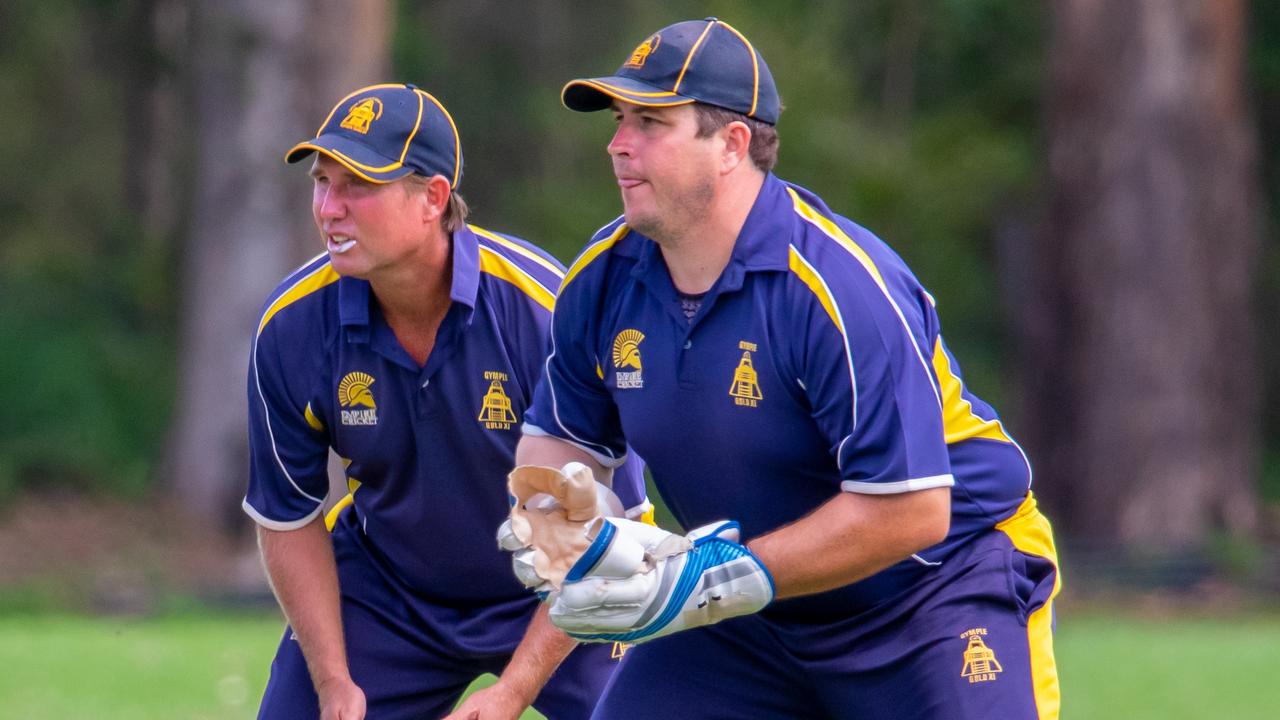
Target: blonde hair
455, 213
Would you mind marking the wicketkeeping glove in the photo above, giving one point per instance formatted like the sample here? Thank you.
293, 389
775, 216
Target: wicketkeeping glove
683, 582
588, 500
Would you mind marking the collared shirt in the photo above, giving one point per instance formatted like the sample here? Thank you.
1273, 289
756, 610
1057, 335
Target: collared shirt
815, 364
427, 448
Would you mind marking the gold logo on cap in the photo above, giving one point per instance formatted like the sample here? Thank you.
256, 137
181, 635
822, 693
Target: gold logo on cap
643, 51
362, 114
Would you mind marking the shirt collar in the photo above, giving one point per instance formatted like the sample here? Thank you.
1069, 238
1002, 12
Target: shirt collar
354, 294
761, 244
466, 267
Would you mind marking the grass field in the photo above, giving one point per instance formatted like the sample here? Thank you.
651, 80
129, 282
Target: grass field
215, 667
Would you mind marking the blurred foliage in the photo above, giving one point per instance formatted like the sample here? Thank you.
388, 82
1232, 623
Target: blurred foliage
1264, 65
86, 299
919, 120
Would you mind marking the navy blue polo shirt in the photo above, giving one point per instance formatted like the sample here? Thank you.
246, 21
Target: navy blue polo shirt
814, 365
427, 448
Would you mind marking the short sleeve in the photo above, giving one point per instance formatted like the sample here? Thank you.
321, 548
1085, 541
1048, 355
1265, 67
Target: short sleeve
868, 379
288, 447
571, 402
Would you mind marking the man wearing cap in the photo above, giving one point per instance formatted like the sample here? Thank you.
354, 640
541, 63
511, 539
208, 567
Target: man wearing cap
863, 522
410, 348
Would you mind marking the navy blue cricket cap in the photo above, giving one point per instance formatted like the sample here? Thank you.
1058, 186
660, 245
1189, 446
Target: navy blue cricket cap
385, 132
704, 61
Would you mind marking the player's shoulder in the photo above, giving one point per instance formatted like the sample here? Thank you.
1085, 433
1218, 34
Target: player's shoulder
521, 268
615, 240
298, 303
829, 242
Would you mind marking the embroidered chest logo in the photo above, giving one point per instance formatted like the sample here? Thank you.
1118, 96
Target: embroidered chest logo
980, 664
355, 392
619, 649
362, 114
643, 51
626, 354
495, 408
745, 389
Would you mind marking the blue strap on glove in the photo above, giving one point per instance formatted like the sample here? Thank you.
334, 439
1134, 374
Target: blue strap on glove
700, 579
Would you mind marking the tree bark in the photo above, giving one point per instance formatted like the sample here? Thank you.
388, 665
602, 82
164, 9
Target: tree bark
1139, 333
264, 76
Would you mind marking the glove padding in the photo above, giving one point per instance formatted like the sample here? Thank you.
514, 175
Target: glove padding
682, 582
544, 536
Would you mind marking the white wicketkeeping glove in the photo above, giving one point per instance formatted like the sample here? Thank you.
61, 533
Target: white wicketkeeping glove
681, 582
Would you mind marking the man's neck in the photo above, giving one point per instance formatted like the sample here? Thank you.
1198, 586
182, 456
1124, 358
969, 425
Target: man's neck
415, 295
700, 252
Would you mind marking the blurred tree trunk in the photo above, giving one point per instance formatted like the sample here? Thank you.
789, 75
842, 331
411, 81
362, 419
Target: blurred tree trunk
264, 76
1140, 328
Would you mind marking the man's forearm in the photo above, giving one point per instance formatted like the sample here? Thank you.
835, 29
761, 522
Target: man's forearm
540, 652
304, 578
852, 537
553, 452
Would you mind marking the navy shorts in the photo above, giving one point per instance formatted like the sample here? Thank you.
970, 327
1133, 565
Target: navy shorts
413, 659
972, 640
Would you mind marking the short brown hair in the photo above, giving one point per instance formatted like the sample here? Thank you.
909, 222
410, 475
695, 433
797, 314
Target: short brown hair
455, 213
764, 137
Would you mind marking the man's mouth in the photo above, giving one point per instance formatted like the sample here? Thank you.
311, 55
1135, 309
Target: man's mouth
339, 244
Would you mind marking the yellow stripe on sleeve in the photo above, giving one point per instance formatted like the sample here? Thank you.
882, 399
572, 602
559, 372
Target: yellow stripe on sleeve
518, 249
319, 278
499, 266
959, 421
815, 283
592, 252
833, 231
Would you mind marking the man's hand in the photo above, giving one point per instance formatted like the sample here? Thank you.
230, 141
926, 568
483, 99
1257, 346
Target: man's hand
340, 699
496, 702
700, 579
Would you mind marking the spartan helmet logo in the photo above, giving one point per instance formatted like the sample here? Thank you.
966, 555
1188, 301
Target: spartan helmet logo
626, 349
354, 390
643, 51
362, 114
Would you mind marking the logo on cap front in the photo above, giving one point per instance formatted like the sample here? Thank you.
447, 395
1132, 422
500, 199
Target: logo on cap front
362, 114
643, 51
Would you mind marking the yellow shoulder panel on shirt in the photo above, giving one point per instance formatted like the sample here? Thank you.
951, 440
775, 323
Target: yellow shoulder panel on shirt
499, 266
810, 277
320, 277
833, 231
517, 249
592, 252
959, 422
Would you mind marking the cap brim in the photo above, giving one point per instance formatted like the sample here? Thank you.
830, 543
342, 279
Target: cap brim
355, 157
592, 94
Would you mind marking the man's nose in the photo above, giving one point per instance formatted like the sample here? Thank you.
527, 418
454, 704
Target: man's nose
621, 142
331, 205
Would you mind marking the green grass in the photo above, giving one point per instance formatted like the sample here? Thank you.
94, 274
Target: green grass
215, 667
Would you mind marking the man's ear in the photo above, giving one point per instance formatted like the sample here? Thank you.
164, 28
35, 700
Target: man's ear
435, 199
737, 145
